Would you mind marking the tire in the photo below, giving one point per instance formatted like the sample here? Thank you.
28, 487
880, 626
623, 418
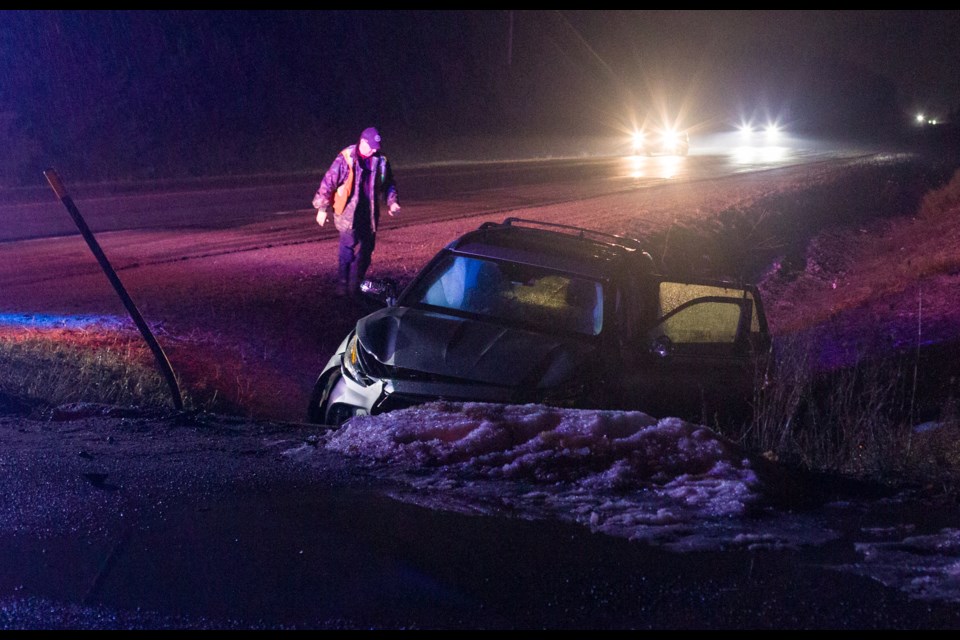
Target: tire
320, 411
338, 414
317, 409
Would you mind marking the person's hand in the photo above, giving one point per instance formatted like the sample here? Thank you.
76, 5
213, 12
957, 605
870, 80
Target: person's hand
394, 209
321, 217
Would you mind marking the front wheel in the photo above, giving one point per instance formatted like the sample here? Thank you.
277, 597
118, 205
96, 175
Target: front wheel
317, 409
324, 411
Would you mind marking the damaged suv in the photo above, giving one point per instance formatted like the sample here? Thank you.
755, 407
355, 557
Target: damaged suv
532, 312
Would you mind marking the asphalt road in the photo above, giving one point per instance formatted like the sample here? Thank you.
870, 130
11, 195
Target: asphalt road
428, 192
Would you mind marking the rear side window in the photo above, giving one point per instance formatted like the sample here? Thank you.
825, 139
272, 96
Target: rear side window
674, 294
712, 322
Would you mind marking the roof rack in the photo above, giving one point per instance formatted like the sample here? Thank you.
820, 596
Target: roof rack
622, 241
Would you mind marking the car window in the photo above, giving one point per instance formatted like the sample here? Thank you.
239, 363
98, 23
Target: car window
706, 322
517, 293
674, 294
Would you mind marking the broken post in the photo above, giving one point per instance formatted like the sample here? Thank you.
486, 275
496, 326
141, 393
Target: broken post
155, 347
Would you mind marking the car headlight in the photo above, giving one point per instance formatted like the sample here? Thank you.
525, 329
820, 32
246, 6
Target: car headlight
352, 365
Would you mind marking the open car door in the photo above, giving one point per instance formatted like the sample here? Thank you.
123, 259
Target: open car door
699, 355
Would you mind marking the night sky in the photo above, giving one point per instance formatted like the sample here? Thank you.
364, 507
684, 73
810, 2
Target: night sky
155, 93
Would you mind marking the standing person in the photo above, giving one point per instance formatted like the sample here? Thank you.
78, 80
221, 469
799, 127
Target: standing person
353, 187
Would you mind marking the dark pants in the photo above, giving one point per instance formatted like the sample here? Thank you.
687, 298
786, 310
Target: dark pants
354, 253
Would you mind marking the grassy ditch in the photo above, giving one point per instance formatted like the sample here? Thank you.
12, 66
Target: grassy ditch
889, 419
891, 412
42, 368
891, 415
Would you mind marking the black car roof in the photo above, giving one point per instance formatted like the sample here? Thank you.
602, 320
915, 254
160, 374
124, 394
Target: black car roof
556, 246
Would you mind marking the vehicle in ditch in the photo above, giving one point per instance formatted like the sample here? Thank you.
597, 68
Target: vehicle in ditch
523, 311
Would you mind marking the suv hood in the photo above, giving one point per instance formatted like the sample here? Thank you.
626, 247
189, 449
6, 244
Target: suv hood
443, 345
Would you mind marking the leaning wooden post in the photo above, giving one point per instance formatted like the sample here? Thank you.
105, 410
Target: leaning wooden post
155, 347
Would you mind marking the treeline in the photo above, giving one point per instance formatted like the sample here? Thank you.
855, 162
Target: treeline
133, 95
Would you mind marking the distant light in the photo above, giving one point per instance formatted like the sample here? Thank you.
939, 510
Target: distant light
932, 121
662, 167
667, 166
771, 132
921, 118
753, 155
671, 138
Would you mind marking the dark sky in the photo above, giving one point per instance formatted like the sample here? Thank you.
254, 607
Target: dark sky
183, 86
917, 50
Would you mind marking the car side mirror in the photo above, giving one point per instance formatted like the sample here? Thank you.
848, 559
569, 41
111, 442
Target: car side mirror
384, 290
661, 346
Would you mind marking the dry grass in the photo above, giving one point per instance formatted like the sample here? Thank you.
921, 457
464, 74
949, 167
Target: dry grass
59, 366
860, 420
942, 202
846, 267
47, 367
887, 413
